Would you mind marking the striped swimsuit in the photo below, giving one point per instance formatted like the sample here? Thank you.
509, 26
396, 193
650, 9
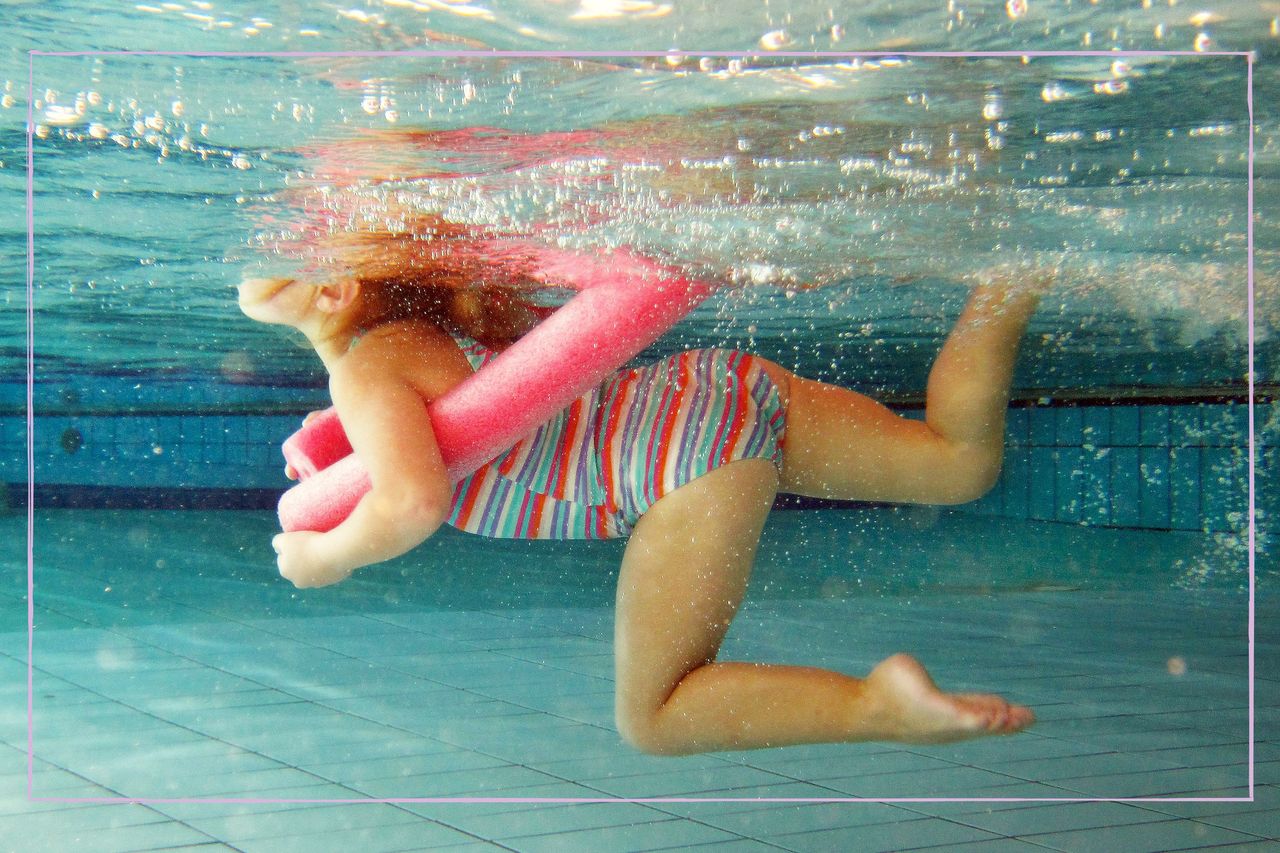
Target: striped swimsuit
593, 470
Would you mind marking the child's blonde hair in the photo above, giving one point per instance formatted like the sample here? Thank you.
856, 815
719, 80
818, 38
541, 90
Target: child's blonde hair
355, 214
442, 272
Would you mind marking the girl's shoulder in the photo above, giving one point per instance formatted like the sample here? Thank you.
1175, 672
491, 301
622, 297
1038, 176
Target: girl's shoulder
410, 352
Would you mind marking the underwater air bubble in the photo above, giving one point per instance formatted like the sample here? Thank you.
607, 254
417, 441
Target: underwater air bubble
60, 116
775, 40
1053, 92
1016, 8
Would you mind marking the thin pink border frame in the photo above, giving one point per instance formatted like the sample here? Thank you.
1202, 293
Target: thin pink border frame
1250, 59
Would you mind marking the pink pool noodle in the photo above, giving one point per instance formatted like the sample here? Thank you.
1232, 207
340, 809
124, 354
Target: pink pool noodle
625, 303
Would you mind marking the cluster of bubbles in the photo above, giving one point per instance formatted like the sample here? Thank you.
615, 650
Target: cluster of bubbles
200, 14
89, 116
821, 172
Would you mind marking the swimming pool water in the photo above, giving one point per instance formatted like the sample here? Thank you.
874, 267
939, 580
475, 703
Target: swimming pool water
177, 669
846, 203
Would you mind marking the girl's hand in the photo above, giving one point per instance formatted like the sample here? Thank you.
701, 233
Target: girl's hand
301, 562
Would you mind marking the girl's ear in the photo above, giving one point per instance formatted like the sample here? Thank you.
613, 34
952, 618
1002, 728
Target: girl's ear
337, 295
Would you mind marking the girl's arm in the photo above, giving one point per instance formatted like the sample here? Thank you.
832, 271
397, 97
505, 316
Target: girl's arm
386, 420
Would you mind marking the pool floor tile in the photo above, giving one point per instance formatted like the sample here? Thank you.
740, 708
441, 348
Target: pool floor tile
657, 835
769, 820
1228, 801
125, 839
724, 781
404, 766
1268, 846
319, 794
384, 838
1261, 823
1098, 764
885, 837
547, 819
400, 699
300, 819
63, 819
629, 764
990, 845
1033, 819
486, 782
740, 845
954, 781
1181, 782
1141, 838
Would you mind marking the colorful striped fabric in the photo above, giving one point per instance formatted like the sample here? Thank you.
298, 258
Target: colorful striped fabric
593, 471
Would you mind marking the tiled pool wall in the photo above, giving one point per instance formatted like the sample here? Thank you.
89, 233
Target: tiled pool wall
1159, 465
1163, 466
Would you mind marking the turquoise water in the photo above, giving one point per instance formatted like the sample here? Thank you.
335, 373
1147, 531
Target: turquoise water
856, 177
178, 669
845, 204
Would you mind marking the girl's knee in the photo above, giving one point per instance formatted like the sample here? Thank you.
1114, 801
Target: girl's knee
973, 473
646, 723
638, 734
646, 731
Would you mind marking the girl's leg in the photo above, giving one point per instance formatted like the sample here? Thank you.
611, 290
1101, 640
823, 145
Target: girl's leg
841, 444
683, 577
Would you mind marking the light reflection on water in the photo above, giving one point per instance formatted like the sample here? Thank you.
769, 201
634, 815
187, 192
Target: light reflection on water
886, 182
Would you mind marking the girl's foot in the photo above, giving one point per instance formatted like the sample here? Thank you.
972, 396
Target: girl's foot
912, 709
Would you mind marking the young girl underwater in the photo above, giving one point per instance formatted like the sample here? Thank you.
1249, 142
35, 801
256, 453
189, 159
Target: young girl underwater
414, 313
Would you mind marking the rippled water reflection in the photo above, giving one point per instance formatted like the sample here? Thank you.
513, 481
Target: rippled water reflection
845, 201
